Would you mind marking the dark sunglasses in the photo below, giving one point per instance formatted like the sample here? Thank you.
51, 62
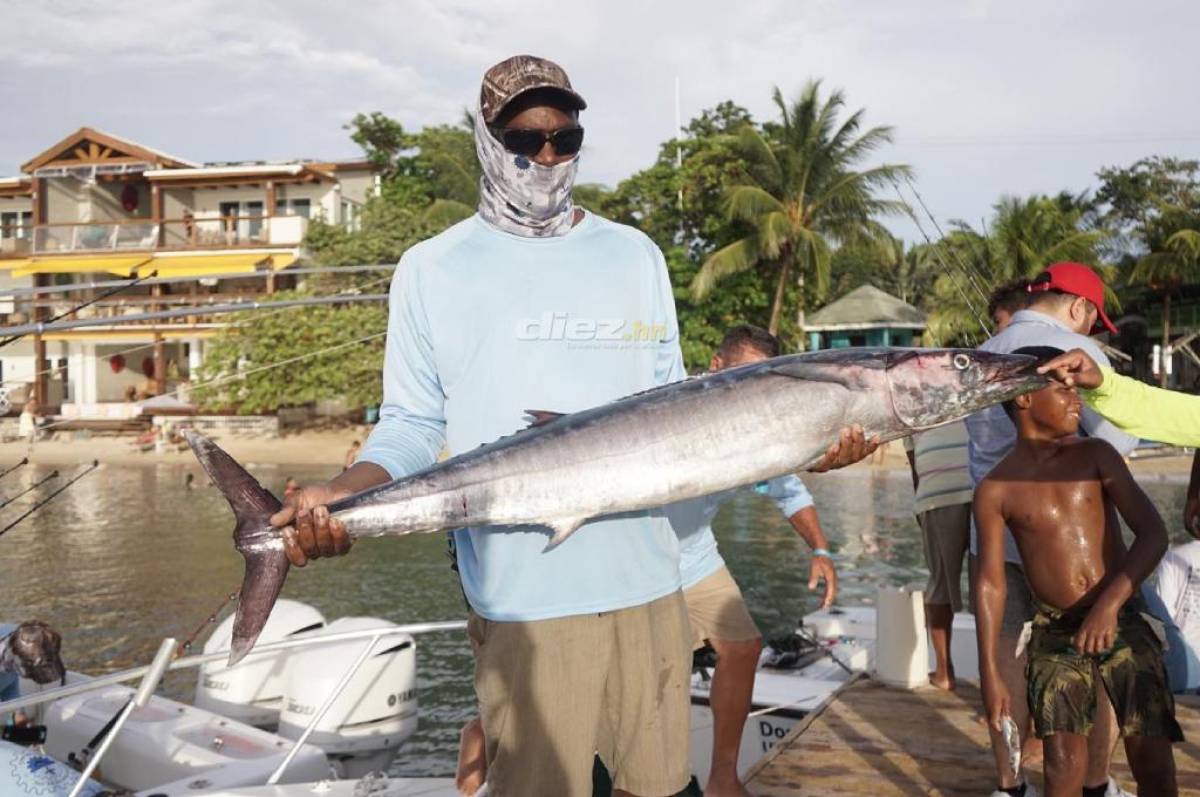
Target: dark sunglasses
565, 140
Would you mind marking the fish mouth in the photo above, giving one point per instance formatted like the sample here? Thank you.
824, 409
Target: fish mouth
1019, 371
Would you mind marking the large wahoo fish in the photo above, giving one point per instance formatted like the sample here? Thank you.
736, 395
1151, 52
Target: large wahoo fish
679, 441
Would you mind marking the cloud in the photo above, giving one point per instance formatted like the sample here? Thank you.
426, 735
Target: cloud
986, 97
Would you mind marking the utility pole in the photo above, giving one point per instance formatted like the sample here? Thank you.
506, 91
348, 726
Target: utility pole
678, 142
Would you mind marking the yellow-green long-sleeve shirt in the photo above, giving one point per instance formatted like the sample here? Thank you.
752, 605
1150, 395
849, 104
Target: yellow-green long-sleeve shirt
1151, 413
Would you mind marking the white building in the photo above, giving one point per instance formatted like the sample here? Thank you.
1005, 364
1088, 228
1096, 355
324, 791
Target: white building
97, 207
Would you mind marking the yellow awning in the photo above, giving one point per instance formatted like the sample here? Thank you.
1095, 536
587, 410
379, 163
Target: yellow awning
204, 265
119, 265
279, 262
15, 263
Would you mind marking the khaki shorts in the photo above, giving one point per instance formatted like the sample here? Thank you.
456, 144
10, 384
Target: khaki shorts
946, 532
554, 693
717, 610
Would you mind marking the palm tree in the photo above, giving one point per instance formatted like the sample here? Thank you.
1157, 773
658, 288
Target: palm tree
805, 196
1024, 236
1178, 262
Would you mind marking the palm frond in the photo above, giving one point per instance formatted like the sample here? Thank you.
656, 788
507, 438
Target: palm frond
749, 202
775, 233
733, 259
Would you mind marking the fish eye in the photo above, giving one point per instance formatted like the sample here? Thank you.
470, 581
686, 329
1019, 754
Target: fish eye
961, 362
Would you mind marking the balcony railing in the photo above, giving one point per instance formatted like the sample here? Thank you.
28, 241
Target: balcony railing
225, 232
16, 240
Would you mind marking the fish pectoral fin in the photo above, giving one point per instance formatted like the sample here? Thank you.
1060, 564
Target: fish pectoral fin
812, 372
562, 528
542, 417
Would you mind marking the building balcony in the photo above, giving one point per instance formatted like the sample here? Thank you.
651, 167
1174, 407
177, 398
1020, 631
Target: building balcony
227, 232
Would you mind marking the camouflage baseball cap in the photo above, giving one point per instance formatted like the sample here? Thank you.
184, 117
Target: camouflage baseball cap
519, 74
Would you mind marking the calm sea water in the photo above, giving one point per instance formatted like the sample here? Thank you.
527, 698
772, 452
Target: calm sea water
129, 555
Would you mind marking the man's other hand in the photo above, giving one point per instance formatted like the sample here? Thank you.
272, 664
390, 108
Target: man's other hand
309, 532
821, 568
1074, 367
851, 446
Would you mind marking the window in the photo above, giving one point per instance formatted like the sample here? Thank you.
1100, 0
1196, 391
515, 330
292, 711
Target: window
16, 224
294, 207
241, 221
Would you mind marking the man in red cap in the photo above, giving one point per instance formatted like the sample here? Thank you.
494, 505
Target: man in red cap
1066, 306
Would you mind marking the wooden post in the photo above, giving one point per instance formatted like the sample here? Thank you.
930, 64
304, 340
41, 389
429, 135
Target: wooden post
269, 212
39, 199
156, 212
160, 364
41, 383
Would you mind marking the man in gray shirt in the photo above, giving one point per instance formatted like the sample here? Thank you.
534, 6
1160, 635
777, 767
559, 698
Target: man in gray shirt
1066, 306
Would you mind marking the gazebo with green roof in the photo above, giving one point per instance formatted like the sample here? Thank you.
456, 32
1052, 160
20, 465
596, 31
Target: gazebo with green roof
866, 316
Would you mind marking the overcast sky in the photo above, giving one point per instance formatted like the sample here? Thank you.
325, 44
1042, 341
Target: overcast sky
987, 98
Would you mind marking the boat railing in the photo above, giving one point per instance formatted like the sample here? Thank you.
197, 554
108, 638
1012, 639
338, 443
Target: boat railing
195, 660
154, 672
149, 684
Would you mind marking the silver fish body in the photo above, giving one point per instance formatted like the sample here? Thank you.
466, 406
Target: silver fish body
672, 443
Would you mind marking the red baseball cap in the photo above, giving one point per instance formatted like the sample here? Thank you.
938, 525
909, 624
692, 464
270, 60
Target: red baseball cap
1078, 280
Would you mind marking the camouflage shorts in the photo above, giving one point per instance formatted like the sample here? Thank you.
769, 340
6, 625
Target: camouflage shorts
1063, 684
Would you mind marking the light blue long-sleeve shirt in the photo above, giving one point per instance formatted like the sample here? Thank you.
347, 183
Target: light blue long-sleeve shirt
692, 521
992, 432
10, 682
485, 325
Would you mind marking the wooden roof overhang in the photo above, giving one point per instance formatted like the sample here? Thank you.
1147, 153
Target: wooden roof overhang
16, 187
90, 147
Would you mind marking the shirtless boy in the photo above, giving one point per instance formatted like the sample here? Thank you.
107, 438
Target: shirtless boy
1060, 495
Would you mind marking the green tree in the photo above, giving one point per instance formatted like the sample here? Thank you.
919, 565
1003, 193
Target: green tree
680, 208
1171, 266
242, 368
907, 272
1023, 237
803, 197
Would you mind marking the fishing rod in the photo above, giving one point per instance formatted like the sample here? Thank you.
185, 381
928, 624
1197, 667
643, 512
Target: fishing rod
151, 345
945, 267
126, 285
86, 286
215, 309
963, 269
34, 486
240, 375
7, 471
941, 233
95, 464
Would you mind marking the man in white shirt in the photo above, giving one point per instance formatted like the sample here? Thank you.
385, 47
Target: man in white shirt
1175, 599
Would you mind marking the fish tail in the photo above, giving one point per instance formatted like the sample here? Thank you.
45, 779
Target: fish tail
266, 563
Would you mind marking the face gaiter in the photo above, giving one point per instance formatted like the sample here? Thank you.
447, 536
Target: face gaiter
519, 196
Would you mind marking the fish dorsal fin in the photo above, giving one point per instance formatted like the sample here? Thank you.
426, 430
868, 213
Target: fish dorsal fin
542, 417
811, 372
563, 528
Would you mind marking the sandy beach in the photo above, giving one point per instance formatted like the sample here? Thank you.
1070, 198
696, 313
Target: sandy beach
328, 447
325, 447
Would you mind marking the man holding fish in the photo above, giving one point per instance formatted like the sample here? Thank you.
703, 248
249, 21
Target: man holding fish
534, 304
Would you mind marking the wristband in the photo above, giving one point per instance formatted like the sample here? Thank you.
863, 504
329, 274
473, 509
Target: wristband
821, 552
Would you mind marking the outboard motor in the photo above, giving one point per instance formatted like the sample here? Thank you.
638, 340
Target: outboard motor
376, 711
252, 690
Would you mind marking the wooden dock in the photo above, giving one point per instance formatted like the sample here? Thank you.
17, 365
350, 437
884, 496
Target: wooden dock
873, 741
